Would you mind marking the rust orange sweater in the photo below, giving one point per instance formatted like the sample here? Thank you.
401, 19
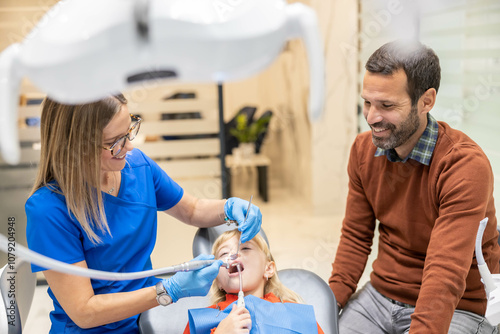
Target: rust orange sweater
230, 298
429, 217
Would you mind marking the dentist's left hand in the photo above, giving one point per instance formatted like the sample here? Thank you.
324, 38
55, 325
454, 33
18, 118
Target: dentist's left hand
192, 283
236, 209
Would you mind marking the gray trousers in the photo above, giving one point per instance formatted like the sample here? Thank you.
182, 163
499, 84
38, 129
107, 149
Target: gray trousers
370, 312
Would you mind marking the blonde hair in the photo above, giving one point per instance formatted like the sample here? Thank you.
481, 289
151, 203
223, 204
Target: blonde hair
273, 285
70, 157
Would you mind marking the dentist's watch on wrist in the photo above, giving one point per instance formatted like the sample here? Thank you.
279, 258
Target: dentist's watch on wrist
162, 296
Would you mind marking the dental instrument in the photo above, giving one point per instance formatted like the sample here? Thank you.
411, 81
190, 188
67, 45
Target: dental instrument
235, 256
241, 295
83, 50
491, 282
49, 263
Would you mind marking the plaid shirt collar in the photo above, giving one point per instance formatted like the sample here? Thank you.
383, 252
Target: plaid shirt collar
422, 152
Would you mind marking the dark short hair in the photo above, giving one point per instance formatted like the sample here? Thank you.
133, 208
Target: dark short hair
419, 62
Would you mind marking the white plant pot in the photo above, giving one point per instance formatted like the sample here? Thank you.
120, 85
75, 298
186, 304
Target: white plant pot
246, 150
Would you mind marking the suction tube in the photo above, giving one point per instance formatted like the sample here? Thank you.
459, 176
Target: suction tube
241, 294
489, 284
49, 263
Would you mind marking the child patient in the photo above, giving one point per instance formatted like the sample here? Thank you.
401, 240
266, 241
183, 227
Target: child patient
261, 287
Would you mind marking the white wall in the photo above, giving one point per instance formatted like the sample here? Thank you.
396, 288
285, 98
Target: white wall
465, 35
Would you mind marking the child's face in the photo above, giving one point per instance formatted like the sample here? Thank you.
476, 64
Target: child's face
254, 265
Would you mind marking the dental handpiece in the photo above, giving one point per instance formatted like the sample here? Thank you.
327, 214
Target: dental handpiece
195, 265
49, 263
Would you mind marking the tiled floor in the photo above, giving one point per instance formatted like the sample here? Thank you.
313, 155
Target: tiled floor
297, 239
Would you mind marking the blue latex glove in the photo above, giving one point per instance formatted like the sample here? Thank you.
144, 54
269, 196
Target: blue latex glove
236, 209
192, 283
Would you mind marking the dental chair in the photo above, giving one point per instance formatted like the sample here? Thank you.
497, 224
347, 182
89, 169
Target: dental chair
313, 290
17, 287
316, 292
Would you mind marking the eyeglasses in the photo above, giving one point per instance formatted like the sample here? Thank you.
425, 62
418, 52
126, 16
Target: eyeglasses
118, 145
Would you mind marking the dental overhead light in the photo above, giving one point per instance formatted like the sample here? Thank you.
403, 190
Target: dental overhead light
83, 50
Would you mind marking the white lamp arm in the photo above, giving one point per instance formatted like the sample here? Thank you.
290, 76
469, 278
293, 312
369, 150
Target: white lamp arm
303, 23
10, 81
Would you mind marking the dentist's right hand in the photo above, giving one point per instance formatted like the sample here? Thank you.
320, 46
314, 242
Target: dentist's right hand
192, 283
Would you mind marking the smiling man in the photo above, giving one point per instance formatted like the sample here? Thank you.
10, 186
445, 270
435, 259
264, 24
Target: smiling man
428, 185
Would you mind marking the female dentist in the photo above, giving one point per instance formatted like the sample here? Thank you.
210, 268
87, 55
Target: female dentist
94, 204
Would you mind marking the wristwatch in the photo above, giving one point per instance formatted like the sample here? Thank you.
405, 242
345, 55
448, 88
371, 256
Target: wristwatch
162, 295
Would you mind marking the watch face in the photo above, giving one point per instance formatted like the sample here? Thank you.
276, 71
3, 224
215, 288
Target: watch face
164, 299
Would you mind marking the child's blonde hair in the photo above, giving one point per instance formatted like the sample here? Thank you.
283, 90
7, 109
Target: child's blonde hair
273, 285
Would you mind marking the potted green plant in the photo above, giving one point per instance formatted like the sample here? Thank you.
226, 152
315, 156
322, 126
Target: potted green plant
247, 134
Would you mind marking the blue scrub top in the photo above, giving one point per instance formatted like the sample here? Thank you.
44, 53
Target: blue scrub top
132, 217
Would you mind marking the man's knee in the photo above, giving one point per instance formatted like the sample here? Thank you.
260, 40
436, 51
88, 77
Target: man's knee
467, 322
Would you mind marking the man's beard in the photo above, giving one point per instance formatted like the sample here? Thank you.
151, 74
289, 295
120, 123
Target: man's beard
399, 135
